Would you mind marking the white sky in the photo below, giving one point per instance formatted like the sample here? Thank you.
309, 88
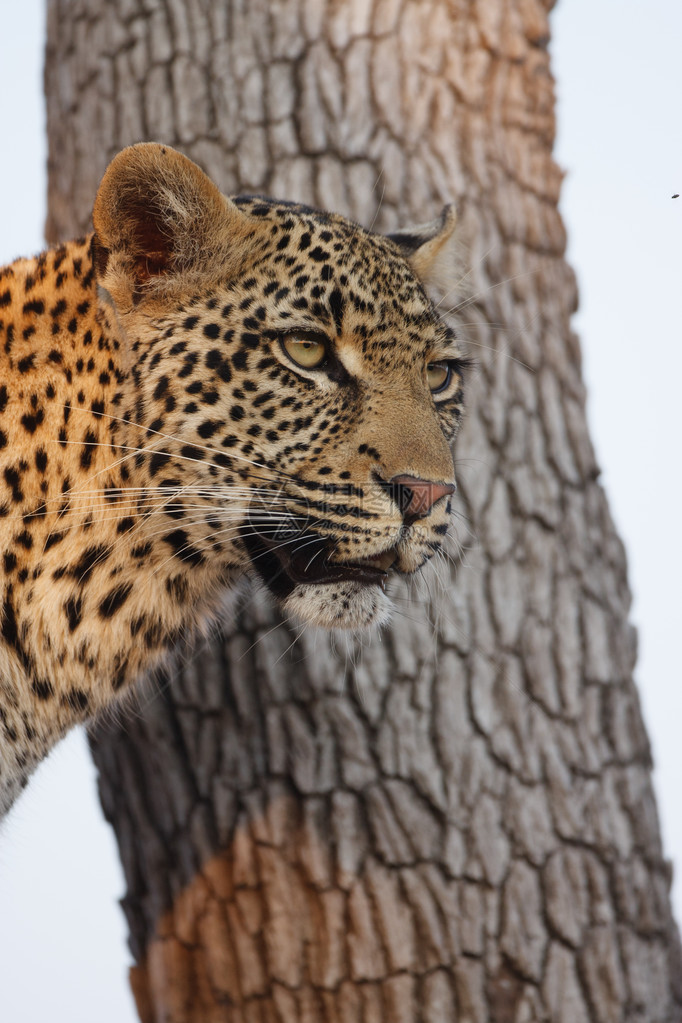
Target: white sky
62, 935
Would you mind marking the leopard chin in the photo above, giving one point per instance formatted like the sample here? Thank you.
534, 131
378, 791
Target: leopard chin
339, 605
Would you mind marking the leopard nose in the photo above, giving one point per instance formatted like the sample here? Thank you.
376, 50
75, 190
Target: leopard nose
416, 497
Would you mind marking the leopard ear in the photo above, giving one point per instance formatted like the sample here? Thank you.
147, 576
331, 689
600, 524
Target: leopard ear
160, 224
429, 250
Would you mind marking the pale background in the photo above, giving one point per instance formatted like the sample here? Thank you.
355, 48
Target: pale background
618, 66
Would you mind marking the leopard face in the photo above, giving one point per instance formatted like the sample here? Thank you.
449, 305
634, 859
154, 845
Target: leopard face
306, 402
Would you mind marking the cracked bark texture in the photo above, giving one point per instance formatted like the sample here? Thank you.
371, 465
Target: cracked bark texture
453, 821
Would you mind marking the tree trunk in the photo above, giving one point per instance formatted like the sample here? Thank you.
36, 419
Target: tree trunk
454, 820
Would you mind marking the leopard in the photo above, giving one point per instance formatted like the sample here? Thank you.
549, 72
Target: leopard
202, 389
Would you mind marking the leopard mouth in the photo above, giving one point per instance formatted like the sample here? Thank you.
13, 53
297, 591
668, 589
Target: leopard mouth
286, 557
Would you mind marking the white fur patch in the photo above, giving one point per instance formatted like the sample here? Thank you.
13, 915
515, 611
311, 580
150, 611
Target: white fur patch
343, 605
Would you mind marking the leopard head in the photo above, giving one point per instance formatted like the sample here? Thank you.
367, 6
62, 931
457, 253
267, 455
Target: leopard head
297, 387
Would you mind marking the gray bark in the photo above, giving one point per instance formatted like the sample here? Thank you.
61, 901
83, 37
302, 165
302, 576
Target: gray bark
453, 821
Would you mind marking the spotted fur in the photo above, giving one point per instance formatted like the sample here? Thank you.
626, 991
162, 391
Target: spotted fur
157, 441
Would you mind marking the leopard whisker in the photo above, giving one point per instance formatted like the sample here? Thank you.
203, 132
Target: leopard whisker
171, 437
472, 299
134, 450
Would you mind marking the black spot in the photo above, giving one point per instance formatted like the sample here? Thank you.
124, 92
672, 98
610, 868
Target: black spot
152, 636
42, 689
318, 254
157, 462
24, 539
10, 630
142, 550
161, 387
114, 600
8, 729
211, 330
188, 368
336, 304
13, 480
182, 548
89, 440
73, 609
214, 360
189, 451
118, 681
82, 570
54, 538
25, 364
77, 699
136, 624
31, 422
3, 439
4, 397
209, 427
35, 513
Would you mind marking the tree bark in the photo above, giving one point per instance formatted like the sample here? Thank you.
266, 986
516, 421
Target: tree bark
454, 820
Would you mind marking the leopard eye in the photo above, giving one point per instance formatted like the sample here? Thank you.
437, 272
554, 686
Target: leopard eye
438, 375
306, 350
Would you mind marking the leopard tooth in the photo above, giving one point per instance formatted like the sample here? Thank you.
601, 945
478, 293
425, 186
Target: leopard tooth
383, 561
